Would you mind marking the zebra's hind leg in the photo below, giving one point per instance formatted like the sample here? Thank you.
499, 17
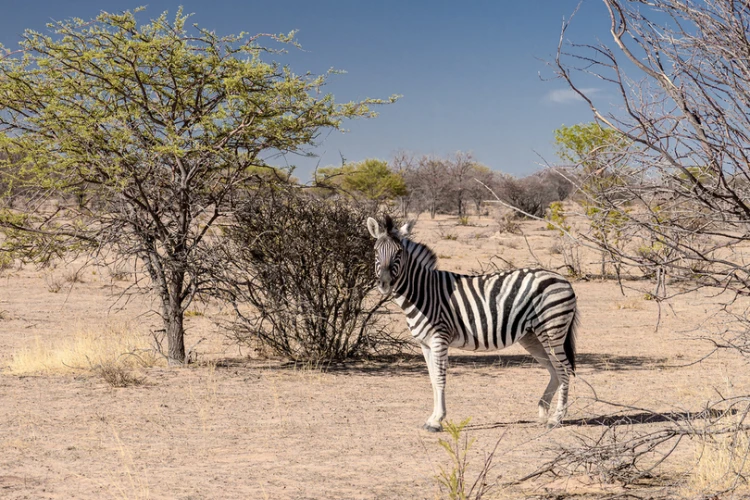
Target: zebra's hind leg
564, 371
531, 343
563, 367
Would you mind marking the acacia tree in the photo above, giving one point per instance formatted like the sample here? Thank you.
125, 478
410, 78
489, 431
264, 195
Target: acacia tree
162, 126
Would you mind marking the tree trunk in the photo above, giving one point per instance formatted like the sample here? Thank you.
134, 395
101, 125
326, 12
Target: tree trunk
169, 284
175, 335
173, 319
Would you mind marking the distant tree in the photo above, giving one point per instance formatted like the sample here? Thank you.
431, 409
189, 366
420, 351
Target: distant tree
164, 126
370, 180
406, 165
432, 182
597, 153
531, 194
562, 179
477, 192
461, 172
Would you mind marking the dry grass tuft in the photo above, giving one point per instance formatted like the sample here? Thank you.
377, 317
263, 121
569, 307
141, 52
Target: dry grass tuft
54, 283
723, 463
633, 303
116, 348
120, 273
117, 374
73, 277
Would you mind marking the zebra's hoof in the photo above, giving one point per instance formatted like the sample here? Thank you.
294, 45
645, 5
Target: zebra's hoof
430, 428
551, 424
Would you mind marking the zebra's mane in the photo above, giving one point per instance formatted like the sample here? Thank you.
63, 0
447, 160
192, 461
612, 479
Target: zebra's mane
421, 254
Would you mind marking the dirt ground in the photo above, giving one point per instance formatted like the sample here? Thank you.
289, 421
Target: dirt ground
232, 427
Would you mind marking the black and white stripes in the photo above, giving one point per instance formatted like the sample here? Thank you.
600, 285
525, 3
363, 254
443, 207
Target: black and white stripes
533, 307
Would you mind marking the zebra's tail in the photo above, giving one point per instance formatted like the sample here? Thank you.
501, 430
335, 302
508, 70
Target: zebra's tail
570, 342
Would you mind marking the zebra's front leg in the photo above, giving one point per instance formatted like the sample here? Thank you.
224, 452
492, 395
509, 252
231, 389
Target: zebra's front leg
436, 356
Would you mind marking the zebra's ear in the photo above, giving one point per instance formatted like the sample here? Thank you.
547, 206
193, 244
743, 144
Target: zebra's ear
373, 227
388, 224
405, 230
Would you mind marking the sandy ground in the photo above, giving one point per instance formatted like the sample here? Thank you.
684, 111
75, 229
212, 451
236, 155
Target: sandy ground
231, 427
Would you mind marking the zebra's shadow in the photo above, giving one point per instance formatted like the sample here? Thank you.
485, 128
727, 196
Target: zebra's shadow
619, 418
408, 363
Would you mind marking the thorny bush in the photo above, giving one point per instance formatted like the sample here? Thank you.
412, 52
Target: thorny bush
299, 271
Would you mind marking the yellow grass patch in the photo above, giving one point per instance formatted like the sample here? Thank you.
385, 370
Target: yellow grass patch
87, 350
632, 303
722, 462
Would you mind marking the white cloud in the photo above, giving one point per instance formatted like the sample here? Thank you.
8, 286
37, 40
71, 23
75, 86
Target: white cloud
564, 96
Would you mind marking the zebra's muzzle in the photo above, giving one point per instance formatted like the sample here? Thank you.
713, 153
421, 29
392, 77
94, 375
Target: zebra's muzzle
385, 285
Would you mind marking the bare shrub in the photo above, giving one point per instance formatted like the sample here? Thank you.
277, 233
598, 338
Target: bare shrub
298, 271
73, 277
119, 273
571, 257
116, 374
625, 454
507, 223
678, 196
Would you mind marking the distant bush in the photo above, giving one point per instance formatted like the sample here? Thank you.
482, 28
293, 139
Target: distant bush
534, 193
298, 270
507, 223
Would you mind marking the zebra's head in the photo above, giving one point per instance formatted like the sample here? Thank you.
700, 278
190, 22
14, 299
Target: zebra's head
389, 251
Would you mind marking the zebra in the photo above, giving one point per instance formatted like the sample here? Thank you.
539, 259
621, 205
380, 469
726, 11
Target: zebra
534, 307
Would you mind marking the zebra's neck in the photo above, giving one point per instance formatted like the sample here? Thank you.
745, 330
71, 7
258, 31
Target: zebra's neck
420, 268
419, 256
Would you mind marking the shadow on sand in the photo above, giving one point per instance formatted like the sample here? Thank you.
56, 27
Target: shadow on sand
412, 363
619, 419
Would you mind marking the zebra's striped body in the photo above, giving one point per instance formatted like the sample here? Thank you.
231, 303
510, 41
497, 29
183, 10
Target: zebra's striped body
534, 307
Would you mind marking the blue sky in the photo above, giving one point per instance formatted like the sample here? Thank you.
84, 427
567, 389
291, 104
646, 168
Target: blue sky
468, 71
